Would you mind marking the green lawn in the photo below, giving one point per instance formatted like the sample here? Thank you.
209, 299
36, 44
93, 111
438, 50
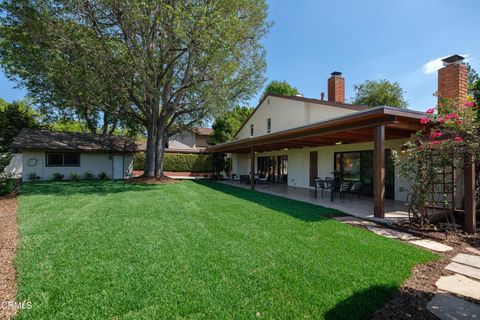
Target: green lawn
98, 250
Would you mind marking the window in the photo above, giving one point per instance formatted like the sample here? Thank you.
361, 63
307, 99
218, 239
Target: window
63, 159
269, 125
251, 130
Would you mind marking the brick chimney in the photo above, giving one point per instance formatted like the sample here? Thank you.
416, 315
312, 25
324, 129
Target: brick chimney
453, 80
336, 87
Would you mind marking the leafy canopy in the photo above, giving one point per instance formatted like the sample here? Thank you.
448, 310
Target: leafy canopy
160, 65
225, 126
382, 92
281, 87
13, 118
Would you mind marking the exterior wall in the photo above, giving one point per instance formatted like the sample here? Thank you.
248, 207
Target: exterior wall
299, 163
202, 141
15, 167
183, 140
97, 162
287, 114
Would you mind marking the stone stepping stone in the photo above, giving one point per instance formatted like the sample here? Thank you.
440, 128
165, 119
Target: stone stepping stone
432, 245
460, 285
355, 221
464, 269
468, 259
393, 234
448, 307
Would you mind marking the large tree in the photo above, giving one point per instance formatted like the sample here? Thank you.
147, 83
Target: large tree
161, 64
226, 125
382, 92
281, 87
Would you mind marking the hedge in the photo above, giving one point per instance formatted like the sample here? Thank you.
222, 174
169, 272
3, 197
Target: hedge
179, 162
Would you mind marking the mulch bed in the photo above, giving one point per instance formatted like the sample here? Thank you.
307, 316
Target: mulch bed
8, 246
147, 180
411, 300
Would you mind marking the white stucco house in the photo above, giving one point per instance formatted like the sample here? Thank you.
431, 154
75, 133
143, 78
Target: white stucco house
44, 153
292, 139
189, 141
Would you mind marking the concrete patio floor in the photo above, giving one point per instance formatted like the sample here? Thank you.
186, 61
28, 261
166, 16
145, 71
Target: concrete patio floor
363, 208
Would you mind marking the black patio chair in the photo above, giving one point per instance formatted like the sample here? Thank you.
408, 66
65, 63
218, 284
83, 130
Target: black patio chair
356, 188
319, 185
343, 188
329, 186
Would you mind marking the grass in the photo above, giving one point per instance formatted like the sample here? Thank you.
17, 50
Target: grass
192, 250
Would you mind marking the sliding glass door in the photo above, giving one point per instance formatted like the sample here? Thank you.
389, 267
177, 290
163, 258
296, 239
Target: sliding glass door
358, 166
274, 167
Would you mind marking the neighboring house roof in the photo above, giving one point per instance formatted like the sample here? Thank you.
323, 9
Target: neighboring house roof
189, 150
55, 140
302, 99
204, 131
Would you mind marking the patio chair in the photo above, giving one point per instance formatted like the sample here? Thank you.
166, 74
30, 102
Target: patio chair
319, 185
329, 186
344, 188
235, 178
263, 180
356, 188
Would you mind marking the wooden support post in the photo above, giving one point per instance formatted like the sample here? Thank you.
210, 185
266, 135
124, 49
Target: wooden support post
252, 169
379, 171
470, 224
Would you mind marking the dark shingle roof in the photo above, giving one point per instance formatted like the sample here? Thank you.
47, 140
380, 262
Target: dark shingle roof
204, 131
54, 140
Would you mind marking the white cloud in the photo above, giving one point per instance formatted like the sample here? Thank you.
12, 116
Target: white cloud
432, 66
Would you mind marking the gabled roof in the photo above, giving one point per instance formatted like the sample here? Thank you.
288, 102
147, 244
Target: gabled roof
55, 140
302, 99
204, 131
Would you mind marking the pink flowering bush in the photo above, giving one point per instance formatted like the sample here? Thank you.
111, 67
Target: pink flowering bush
448, 142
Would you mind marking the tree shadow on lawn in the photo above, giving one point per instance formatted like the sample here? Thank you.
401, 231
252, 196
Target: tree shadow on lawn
383, 302
297, 209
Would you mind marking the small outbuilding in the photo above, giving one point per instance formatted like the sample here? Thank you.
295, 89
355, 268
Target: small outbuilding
45, 153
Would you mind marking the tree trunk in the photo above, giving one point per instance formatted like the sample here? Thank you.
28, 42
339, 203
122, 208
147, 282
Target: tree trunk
160, 150
151, 151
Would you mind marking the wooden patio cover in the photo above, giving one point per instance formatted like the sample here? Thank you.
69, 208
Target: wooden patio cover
352, 128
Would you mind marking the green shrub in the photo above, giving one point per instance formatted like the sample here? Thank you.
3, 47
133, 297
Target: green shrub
139, 161
178, 162
88, 175
33, 176
7, 186
57, 176
75, 176
103, 175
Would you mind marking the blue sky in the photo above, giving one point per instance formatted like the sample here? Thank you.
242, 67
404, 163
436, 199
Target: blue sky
394, 39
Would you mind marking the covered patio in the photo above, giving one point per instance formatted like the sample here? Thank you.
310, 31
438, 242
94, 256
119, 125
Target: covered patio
395, 211
376, 125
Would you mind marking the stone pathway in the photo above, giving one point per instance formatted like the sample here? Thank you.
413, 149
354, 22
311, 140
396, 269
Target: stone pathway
466, 269
464, 283
393, 234
432, 245
460, 285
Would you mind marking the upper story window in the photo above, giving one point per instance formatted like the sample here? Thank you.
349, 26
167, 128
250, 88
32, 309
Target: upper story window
251, 130
63, 159
269, 125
